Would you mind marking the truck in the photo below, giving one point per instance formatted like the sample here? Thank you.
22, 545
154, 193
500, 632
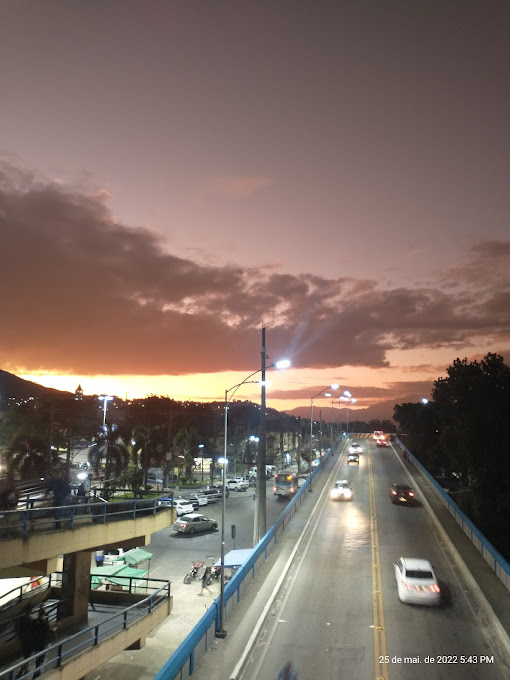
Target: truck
270, 471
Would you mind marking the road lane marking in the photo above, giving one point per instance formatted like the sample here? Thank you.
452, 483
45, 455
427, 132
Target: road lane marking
381, 667
307, 533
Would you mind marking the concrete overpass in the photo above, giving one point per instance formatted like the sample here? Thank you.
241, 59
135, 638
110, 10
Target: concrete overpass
37, 542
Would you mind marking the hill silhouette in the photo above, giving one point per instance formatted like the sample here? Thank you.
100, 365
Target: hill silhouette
14, 388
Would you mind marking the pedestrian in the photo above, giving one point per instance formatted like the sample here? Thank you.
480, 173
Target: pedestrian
26, 631
205, 579
42, 632
99, 558
61, 495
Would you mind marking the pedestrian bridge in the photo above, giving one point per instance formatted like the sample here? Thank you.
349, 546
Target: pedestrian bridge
97, 619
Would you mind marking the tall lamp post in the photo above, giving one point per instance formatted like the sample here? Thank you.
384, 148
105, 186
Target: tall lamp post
105, 399
322, 393
347, 396
221, 633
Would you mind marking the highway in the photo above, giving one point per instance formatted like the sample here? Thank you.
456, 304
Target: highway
338, 616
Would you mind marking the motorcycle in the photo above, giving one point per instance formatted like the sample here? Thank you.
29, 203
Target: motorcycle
194, 572
215, 574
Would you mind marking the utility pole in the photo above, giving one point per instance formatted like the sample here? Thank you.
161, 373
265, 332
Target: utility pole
259, 525
320, 433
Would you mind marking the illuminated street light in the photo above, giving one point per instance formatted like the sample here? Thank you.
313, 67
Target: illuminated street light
221, 633
105, 399
334, 386
347, 396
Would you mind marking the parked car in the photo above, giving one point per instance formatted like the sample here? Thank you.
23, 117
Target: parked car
194, 522
237, 484
215, 493
181, 505
416, 581
402, 493
112, 556
342, 491
197, 499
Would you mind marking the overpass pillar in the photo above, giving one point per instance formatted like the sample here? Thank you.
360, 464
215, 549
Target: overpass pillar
76, 586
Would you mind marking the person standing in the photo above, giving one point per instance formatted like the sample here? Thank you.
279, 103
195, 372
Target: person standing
26, 634
205, 580
61, 494
99, 558
41, 639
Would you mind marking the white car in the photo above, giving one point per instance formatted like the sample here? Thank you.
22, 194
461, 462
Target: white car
416, 581
342, 491
197, 499
112, 556
181, 505
355, 448
237, 484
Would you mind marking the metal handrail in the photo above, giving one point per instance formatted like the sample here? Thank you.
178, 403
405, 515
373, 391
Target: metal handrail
21, 523
70, 647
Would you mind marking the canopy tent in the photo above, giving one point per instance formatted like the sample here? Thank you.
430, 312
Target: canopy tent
234, 558
122, 577
108, 570
95, 582
137, 555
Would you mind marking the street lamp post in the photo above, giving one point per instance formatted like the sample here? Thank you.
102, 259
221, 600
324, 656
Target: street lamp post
105, 399
347, 396
221, 633
334, 386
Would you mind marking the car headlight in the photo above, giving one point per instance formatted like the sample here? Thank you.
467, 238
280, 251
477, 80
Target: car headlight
347, 494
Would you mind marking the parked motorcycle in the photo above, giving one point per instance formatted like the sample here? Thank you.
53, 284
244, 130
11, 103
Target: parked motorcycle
195, 572
215, 574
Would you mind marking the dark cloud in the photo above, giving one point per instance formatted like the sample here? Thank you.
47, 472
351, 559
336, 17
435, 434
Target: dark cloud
85, 294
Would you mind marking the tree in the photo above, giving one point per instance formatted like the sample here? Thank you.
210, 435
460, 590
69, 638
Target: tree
25, 441
420, 424
188, 439
473, 409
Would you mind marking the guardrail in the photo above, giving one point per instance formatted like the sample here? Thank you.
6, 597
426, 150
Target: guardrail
493, 558
182, 663
21, 523
55, 656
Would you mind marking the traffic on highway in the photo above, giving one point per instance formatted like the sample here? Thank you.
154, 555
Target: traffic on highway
373, 592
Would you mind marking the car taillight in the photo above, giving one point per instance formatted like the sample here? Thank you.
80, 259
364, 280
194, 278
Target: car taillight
411, 493
434, 588
274, 489
407, 586
393, 492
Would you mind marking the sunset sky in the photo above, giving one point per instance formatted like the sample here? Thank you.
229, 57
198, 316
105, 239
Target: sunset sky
176, 175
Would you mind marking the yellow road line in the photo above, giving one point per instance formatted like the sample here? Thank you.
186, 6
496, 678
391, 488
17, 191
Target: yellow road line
381, 665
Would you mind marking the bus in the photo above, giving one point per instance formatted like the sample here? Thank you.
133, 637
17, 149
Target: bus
285, 483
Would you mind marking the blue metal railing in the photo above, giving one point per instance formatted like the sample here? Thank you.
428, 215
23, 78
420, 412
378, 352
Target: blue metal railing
65, 650
21, 523
493, 558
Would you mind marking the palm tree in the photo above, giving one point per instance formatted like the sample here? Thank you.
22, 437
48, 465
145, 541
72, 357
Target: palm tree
188, 440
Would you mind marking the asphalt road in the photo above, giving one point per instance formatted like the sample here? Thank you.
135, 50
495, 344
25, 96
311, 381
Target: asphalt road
338, 615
